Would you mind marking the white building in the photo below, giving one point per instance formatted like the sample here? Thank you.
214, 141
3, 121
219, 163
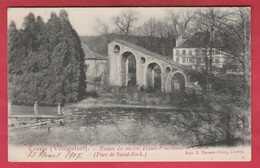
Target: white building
189, 55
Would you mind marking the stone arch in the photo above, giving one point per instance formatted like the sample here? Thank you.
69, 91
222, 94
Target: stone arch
178, 71
153, 76
128, 68
177, 82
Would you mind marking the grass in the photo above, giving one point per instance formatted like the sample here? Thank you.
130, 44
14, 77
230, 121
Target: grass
132, 95
114, 126
128, 126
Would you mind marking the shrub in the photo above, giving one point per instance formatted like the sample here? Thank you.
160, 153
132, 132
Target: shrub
92, 94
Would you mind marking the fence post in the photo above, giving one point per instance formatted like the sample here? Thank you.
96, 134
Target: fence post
9, 108
59, 109
35, 108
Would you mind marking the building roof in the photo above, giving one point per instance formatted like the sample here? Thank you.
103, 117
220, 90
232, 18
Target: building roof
90, 55
147, 52
98, 56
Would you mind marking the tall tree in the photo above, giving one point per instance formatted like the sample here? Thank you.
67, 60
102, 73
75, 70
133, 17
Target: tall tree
235, 39
53, 63
148, 29
209, 20
164, 31
104, 29
125, 22
181, 21
13, 50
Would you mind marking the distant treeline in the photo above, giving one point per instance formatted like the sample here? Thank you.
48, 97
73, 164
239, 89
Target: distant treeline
158, 45
45, 61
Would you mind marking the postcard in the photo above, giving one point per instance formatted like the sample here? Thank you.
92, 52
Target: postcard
95, 84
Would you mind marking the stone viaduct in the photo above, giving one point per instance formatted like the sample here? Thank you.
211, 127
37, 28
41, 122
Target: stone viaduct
131, 64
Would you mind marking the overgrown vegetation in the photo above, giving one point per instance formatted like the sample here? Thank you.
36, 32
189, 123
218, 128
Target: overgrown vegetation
45, 61
214, 117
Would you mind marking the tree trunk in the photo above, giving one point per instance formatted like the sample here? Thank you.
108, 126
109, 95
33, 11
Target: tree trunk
211, 48
246, 63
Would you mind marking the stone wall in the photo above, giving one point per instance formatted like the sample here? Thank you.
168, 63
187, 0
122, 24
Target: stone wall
96, 72
115, 51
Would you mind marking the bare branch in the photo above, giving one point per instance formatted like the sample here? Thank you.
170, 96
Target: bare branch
124, 23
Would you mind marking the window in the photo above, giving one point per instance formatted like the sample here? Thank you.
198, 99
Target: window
177, 52
183, 59
190, 60
183, 52
190, 52
217, 61
198, 60
177, 59
197, 52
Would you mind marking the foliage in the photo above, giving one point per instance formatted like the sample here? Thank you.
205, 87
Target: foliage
92, 94
46, 61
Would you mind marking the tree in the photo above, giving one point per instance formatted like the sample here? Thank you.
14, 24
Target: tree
125, 22
104, 29
164, 32
63, 14
181, 21
66, 61
12, 48
52, 68
12, 29
148, 29
235, 37
229, 32
208, 20
159, 36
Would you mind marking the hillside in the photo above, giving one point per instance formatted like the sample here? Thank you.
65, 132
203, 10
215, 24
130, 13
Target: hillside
161, 46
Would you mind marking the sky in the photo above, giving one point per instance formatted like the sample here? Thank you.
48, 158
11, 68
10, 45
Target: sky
84, 20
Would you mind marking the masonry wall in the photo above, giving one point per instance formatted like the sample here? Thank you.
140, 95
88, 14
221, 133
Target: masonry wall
141, 67
95, 68
96, 71
115, 64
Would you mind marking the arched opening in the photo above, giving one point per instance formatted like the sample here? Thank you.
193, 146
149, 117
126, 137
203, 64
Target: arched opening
178, 83
153, 77
143, 60
168, 69
116, 49
128, 69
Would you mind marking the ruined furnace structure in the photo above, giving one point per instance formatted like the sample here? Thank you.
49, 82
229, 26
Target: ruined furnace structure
130, 64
